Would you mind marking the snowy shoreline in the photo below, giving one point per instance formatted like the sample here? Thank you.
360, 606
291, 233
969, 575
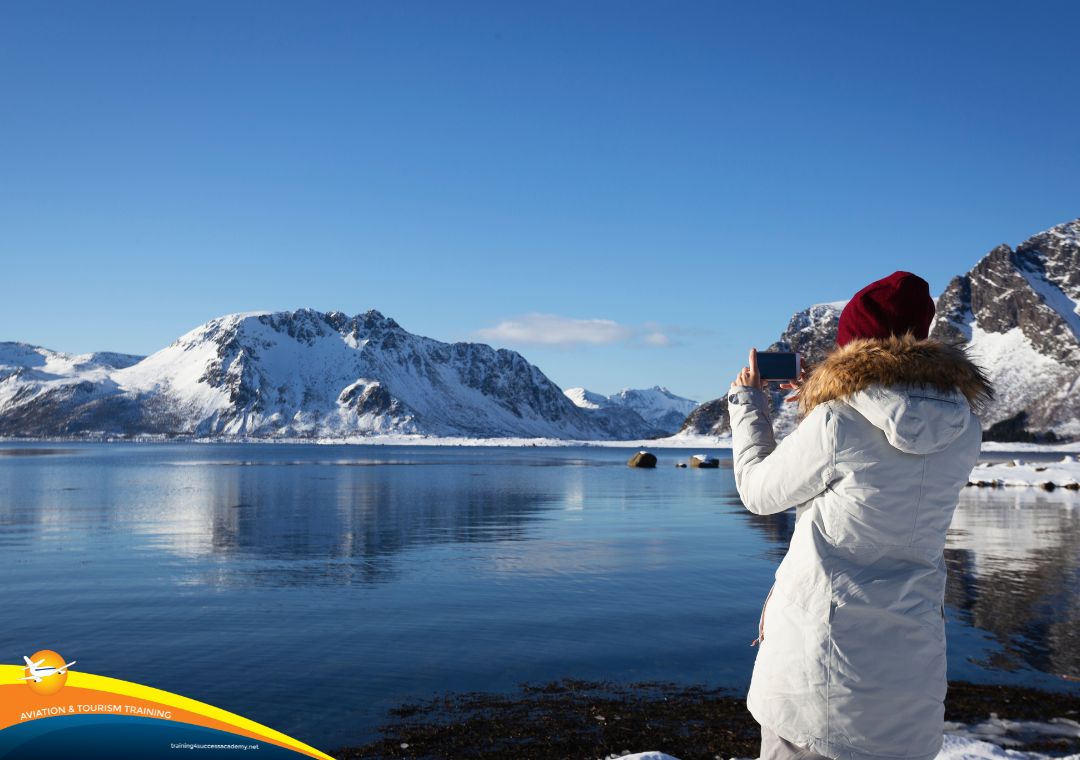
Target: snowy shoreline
983, 741
988, 740
674, 442
1047, 475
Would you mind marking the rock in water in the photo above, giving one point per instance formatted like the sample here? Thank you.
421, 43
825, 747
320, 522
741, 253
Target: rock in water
705, 462
642, 459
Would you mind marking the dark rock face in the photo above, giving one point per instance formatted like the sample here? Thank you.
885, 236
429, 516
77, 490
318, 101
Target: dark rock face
710, 418
371, 398
1015, 429
1009, 289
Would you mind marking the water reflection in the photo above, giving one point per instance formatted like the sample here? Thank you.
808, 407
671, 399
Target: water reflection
312, 522
1013, 557
1014, 571
776, 529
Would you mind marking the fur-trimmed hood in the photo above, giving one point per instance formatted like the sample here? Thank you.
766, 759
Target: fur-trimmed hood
881, 378
903, 360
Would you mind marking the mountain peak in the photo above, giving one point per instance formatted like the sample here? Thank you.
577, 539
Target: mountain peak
374, 319
1068, 230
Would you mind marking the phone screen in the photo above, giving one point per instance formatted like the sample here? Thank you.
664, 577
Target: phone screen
778, 365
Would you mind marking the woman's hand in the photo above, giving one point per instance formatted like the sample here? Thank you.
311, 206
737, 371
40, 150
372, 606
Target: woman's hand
749, 375
794, 385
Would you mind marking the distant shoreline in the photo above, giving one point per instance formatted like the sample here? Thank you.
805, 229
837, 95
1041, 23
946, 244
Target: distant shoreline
398, 440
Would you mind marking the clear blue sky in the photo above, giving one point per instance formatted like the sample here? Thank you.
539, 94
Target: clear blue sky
688, 173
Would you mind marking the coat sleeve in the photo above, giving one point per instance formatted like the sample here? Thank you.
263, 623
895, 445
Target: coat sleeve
769, 477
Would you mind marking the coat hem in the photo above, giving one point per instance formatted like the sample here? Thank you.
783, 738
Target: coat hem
830, 749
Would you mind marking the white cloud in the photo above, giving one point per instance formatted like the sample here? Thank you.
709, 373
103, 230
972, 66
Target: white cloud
656, 339
654, 335
552, 330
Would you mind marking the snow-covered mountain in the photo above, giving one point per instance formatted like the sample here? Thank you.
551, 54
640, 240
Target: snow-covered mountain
1018, 312
292, 374
615, 417
657, 406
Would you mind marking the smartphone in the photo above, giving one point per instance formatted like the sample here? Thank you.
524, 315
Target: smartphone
779, 365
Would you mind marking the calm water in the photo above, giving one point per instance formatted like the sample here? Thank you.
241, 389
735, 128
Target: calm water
312, 587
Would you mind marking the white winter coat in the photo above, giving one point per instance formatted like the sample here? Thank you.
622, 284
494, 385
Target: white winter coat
852, 653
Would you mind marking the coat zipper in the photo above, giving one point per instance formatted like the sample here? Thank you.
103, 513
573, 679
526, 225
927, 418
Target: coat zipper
761, 620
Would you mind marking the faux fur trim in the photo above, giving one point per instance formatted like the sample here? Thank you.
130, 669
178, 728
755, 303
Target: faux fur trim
903, 360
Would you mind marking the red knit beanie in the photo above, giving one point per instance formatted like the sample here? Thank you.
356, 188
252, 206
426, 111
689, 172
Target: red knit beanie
890, 306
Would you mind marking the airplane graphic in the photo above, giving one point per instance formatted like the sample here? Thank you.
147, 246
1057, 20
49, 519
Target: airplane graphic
38, 670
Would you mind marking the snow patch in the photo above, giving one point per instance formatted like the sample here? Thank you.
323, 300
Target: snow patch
1017, 370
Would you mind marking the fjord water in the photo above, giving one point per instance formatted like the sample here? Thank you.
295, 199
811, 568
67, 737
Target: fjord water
312, 587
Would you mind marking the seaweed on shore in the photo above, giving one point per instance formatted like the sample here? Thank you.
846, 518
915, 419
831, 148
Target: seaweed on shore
580, 720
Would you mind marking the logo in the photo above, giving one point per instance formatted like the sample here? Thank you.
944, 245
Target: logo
45, 672
97, 716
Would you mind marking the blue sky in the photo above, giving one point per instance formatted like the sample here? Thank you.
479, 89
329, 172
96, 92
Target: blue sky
628, 193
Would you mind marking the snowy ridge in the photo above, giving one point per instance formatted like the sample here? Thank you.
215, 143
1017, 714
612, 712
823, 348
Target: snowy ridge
302, 375
586, 399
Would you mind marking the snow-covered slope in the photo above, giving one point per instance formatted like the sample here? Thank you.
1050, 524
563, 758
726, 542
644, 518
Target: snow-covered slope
586, 399
291, 374
661, 409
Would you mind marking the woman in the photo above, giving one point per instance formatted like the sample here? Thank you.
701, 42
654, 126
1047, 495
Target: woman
851, 663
